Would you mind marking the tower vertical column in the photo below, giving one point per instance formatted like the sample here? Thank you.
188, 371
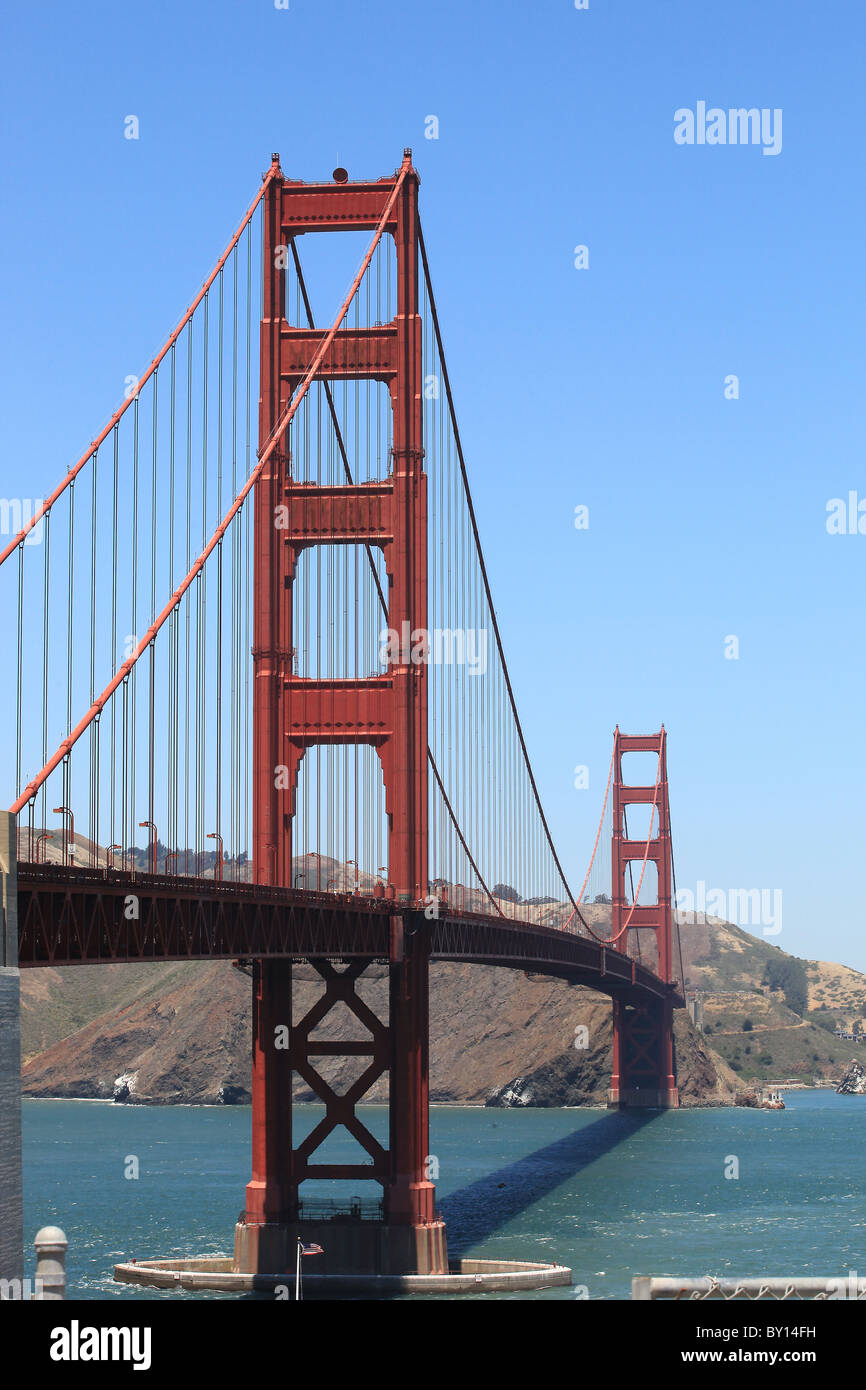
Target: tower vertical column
270, 1194
269, 1201
410, 1195
271, 602
405, 764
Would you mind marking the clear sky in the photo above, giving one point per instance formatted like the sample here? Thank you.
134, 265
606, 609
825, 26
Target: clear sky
603, 387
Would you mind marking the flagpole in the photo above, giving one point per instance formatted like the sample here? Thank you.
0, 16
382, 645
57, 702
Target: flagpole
298, 1273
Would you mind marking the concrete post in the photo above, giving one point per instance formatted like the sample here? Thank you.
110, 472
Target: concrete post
51, 1245
11, 1223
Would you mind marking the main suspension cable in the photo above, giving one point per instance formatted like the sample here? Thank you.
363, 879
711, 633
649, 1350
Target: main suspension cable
486, 582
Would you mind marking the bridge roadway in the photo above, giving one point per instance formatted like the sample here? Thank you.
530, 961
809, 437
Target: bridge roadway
84, 916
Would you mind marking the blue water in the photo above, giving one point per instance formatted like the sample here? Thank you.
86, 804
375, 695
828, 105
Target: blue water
610, 1195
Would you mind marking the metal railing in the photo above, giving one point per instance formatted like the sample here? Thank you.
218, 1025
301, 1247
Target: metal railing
688, 1290
332, 1209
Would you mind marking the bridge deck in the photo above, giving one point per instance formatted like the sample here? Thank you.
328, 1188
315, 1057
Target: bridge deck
70, 916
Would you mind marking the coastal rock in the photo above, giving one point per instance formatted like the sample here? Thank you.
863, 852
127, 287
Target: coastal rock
233, 1095
516, 1092
124, 1087
853, 1083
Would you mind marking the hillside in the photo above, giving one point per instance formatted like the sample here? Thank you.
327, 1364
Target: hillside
169, 1033
185, 1037
765, 1032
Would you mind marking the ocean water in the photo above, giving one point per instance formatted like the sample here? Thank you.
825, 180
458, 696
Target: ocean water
611, 1195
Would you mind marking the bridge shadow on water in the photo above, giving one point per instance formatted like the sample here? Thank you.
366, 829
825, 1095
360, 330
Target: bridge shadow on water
476, 1211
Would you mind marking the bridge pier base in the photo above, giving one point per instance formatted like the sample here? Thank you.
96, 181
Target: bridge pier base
405, 1234
643, 1057
349, 1247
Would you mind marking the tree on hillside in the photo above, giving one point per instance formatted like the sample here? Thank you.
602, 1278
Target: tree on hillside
506, 893
787, 974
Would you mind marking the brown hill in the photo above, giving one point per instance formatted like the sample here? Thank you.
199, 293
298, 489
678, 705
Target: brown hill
181, 1033
163, 1034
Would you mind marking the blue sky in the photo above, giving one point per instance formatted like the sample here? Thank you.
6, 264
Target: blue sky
602, 387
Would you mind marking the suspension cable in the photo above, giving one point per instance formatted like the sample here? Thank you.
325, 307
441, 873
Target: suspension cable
170, 341
486, 582
369, 551
610, 940
264, 454
566, 925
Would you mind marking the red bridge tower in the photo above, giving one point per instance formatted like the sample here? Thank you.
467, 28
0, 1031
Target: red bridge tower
389, 712
643, 1049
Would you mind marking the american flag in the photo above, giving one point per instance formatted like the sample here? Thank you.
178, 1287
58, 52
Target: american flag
311, 1249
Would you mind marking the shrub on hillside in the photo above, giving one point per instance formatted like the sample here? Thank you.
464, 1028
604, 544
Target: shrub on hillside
823, 1019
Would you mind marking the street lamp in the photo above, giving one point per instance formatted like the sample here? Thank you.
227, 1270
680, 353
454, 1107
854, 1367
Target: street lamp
171, 854
46, 835
150, 825
381, 883
108, 863
69, 855
214, 835
357, 874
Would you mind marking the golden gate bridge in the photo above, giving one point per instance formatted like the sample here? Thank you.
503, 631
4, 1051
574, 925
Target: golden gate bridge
279, 656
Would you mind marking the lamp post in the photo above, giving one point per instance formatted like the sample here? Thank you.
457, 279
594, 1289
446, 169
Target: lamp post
108, 863
171, 854
215, 835
69, 848
152, 856
46, 835
357, 874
